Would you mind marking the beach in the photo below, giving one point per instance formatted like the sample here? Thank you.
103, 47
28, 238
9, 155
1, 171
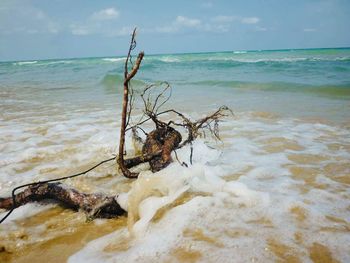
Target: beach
275, 188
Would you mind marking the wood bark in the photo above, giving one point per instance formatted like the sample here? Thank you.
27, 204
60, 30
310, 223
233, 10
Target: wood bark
127, 77
95, 205
164, 141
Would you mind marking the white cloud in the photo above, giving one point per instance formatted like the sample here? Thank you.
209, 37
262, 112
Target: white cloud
309, 30
83, 30
105, 14
216, 24
178, 24
124, 31
97, 23
166, 29
28, 20
223, 19
226, 19
186, 22
250, 20
218, 28
79, 30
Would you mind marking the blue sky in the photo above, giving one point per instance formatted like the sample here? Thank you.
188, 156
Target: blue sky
40, 29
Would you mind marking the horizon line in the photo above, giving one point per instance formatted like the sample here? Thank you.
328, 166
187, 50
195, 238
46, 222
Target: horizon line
176, 53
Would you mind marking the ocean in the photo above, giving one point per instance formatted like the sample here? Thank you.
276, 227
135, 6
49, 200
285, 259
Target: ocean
274, 188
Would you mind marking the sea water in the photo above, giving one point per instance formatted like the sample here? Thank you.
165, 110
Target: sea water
274, 188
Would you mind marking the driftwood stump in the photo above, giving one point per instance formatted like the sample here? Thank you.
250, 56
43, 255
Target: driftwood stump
163, 140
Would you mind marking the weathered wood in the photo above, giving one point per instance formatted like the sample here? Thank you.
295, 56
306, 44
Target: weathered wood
163, 140
95, 205
127, 77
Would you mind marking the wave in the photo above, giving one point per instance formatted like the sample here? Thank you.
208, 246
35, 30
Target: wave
21, 63
113, 81
240, 59
54, 63
266, 60
113, 59
169, 59
58, 62
340, 91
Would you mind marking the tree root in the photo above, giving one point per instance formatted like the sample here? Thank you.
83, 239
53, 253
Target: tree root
163, 140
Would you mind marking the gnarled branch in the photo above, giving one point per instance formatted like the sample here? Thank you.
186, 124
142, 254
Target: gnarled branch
95, 205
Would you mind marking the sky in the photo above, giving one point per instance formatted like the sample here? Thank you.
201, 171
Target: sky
47, 29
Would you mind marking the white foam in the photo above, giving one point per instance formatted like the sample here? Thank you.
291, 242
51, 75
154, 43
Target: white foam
237, 184
169, 59
113, 59
266, 191
25, 63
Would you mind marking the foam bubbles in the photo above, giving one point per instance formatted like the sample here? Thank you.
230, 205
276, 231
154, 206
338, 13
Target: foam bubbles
270, 183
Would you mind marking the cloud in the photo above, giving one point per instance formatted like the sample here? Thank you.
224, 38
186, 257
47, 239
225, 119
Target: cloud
100, 22
181, 22
217, 28
105, 14
186, 22
223, 19
165, 29
80, 30
83, 30
250, 20
216, 24
26, 20
124, 31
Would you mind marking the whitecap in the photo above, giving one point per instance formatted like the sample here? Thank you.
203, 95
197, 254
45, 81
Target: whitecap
21, 63
113, 59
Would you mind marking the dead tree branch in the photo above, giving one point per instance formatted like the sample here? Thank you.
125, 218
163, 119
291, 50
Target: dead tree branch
156, 149
94, 205
160, 141
127, 77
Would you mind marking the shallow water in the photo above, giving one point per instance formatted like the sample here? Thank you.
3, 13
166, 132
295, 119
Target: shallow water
276, 188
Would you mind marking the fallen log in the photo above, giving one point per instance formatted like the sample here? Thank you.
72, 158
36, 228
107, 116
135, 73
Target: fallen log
94, 205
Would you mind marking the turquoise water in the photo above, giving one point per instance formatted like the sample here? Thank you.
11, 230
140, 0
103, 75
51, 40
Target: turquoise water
235, 78
310, 66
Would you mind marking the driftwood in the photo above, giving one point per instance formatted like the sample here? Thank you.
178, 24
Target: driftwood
164, 140
156, 149
94, 205
124, 121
